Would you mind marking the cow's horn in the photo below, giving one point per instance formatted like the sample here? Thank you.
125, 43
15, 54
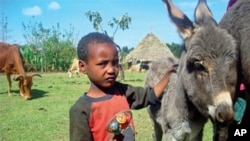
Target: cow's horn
36, 74
18, 77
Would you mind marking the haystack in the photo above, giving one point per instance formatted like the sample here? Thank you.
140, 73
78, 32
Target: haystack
149, 49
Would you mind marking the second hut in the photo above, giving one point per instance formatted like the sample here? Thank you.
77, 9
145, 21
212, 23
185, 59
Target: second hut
149, 49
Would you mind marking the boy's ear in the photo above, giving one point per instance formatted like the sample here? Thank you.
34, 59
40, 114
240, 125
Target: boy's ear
82, 66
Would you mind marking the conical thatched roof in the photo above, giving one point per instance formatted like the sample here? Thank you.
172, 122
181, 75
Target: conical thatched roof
149, 49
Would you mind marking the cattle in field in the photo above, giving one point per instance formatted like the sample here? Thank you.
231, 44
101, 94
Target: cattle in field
11, 62
205, 84
74, 69
141, 66
237, 22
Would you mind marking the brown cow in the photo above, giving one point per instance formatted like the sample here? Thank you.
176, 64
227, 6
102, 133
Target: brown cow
74, 68
11, 62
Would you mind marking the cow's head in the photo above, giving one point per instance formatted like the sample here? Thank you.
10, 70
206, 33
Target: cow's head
25, 83
208, 64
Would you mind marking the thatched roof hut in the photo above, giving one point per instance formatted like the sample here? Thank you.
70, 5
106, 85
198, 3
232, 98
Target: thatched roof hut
149, 49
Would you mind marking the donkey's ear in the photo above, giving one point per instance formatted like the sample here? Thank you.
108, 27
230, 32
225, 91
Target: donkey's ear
183, 23
203, 14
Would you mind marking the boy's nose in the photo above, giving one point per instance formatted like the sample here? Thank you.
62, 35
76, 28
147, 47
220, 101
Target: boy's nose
111, 69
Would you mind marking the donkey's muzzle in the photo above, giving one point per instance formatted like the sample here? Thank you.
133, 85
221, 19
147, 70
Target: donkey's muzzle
224, 114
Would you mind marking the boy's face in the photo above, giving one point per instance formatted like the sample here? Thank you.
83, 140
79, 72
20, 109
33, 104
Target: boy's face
102, 65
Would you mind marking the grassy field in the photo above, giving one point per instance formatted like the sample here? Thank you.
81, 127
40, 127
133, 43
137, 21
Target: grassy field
46, 118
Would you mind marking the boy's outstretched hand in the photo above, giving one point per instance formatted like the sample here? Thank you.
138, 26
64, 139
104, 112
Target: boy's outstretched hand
172, 68
162, 84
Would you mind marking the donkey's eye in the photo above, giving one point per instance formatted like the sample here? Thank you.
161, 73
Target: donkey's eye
198, 66
195, 64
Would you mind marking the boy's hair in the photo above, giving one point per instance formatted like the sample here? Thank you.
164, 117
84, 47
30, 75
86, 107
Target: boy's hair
91, 38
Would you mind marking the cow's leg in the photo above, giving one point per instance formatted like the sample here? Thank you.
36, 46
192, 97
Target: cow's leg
70, 74
9, 84
78, 72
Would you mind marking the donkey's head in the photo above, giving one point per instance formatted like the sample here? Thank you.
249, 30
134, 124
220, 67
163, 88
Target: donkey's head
207, 69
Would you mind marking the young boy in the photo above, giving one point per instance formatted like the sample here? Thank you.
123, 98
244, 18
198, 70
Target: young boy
103, 112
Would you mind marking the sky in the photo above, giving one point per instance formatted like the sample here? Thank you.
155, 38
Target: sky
148, 16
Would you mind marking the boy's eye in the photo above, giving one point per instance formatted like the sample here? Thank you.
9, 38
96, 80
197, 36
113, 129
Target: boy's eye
105, 63
102, 64
116, 62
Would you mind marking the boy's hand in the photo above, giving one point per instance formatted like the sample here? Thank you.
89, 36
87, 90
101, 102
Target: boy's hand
173, 68
162, 84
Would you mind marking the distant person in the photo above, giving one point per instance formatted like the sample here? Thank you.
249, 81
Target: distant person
103, 112
230, 4
240, 104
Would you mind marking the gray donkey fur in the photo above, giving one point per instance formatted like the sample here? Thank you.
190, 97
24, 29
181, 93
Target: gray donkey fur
237, 22
205, 83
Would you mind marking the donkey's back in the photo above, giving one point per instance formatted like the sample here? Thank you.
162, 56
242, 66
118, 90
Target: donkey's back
237, 22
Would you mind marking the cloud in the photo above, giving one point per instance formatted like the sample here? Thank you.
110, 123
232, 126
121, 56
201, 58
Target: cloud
32, 11
54, 6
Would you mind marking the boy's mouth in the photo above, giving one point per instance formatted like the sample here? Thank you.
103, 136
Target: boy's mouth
111, 79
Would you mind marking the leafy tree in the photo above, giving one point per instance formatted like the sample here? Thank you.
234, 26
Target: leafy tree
96, 19
125, 50
121, 23
48, 49
4, 28
175, 49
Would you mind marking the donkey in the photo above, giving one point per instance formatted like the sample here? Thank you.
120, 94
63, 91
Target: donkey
205, 83
237, 22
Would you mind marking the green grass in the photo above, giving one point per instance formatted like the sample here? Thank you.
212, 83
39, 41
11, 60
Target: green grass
46, 118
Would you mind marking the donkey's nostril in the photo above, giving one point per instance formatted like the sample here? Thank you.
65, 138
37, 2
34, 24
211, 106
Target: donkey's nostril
224, 114
219, 117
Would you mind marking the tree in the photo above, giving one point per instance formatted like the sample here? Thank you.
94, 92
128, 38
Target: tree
48, 49
175, 49
4, 28
121, 23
